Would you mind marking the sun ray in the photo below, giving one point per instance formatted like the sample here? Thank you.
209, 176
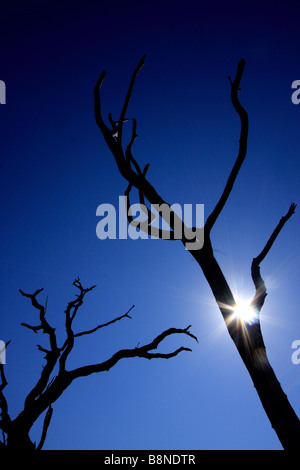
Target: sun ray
244, 311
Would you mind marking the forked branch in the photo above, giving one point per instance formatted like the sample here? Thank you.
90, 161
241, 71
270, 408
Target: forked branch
49, 389
261, 291
131, 170
127, 98
52, 355
71, 312
137, 178
248, 340
143, 352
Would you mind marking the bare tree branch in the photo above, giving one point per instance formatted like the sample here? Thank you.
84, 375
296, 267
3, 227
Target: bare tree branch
275, 233
51, 356
44, 325
166, 213
127, 98
128, 152
235, 88
247, 338
71, 312
135, 178
261, 291
33, 328
142, 352
48, 390
88, 332
47, 421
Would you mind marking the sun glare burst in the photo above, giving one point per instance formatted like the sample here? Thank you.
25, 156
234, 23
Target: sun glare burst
245, 312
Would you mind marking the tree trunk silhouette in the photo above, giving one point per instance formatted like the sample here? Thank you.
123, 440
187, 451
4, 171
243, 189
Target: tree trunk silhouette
247, 337
250, 345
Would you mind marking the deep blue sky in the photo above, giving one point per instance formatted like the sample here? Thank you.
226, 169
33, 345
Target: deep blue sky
56, 170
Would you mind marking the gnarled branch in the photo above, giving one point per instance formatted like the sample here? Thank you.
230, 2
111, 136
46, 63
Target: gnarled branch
52, 355
261, 291
136, 177
235, 88
142, 352
48, 390
71, 312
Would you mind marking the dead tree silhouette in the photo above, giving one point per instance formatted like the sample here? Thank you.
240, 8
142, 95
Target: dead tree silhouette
55, 378
247, 338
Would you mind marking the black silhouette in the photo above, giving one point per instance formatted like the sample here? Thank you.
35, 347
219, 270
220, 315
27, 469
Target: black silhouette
55, 377
247, 338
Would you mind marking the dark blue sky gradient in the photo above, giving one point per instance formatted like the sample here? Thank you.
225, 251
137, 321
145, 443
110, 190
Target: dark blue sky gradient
56, 170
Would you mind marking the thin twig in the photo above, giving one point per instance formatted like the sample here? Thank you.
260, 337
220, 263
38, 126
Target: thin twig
127, 98
88, 332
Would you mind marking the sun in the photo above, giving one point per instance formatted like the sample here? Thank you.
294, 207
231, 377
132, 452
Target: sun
245, 312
